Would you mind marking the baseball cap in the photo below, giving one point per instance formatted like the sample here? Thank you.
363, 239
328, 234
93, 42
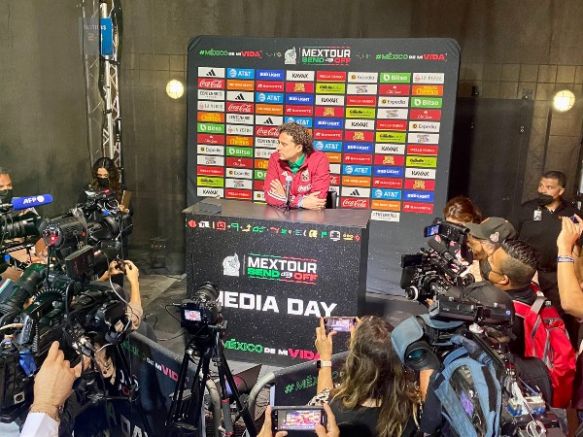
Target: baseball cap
493, 229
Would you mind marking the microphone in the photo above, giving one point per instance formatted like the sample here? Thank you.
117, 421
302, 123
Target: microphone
20, 203
288, 182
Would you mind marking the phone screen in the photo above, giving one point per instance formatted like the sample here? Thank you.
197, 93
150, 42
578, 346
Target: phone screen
430, 231
298, 419
339, 324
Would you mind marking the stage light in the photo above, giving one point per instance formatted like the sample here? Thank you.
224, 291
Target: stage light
174, 89
563, 100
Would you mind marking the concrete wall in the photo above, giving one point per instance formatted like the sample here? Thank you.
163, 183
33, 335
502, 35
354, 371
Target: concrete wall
43, 136
511, 49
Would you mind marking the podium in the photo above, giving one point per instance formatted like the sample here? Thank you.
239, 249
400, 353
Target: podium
278, 272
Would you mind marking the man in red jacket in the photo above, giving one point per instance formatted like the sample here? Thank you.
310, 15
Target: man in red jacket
298, 168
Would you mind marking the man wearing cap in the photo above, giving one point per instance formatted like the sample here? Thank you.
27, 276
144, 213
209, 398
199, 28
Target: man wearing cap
486, 237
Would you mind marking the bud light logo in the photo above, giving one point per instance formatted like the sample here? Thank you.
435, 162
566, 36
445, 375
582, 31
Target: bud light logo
389, 172
358, 147
329, 123
270, 75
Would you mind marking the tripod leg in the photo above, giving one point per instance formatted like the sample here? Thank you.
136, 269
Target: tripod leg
176, 406
200, 384
226, 377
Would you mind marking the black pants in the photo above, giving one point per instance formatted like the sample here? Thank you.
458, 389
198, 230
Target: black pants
549, 286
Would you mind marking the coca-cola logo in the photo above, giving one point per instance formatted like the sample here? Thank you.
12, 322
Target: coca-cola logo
213, 84
267, 131
354, 203
245, 108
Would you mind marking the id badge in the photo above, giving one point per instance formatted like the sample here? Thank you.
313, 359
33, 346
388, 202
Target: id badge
537, 215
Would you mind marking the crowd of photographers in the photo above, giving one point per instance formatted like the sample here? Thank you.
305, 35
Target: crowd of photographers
538, 259
540, 255
108, 294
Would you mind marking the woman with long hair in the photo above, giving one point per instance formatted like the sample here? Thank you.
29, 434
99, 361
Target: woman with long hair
106, 177
376, 395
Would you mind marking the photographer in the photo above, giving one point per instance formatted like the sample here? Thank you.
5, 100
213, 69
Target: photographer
52, 386
376, 397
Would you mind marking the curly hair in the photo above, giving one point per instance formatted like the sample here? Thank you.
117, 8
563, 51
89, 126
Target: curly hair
372, 370
520, 265
462, 209
112, 170
300, 135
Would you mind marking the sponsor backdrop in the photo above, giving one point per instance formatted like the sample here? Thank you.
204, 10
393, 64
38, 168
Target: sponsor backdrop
381, 109
278, 273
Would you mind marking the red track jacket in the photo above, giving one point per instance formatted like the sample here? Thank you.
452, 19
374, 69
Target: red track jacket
313, 175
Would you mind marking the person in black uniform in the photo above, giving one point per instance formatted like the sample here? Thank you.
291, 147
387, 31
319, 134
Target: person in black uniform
539, 224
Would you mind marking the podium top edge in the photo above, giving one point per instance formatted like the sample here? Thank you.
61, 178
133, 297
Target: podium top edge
354, 218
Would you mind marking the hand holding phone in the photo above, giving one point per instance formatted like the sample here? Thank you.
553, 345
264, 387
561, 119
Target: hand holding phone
339, 324
299, 418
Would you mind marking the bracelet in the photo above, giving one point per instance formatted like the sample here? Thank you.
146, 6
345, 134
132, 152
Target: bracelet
565, 259
323, 363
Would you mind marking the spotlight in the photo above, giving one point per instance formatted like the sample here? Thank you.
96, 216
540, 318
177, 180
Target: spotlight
174, 89
563, 100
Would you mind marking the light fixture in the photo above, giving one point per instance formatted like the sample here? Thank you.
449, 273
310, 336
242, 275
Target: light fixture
175, 89
563, 100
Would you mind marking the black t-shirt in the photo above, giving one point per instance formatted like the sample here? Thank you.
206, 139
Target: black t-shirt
542, 234
362, 421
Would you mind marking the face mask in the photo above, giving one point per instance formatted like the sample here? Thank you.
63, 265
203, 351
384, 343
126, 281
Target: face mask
5, 196
485, 269
544, 199
103, 182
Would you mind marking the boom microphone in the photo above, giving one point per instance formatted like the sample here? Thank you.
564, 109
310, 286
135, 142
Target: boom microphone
19, 203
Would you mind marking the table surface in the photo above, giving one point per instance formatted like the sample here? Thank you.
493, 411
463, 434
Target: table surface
248, 210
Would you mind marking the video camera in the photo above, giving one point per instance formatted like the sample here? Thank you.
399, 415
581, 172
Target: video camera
201, 310
432, 271
59, 301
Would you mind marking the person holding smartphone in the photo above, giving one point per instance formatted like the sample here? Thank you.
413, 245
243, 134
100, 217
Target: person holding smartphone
376, 397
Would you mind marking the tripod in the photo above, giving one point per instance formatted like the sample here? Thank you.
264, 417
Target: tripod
184, 415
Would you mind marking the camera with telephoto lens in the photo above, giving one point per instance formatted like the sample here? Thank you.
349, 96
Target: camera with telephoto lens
432, 271
202, 309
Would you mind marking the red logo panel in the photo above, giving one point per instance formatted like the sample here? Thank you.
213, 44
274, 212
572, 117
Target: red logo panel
359, 135
419, 208
242, 108
266, 131
210, 139
418, 149
354, 202
394, 90
232, 193
240, 162
331, 76
334, 179
357, 158
269, 85
329, 111
392, 125
207, 170
361, 100
420, 184
328, 134
425, 114
389, 160
387, 183
211, 84
299, 110
299, 87
258, 185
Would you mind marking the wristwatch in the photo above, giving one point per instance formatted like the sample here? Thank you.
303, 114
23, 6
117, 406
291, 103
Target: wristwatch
323, 363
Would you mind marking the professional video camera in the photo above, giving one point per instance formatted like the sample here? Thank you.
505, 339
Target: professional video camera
473, 324
201, 316
434, 270
65, 306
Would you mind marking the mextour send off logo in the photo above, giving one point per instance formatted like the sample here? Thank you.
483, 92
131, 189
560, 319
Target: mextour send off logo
282, 268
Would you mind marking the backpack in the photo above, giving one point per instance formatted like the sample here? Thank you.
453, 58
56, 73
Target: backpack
546, 338
467, 391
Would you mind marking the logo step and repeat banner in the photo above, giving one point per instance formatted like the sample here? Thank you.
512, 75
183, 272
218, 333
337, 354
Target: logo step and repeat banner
381, 109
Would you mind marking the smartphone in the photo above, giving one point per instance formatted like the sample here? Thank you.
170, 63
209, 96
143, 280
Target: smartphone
339, 324
297, 418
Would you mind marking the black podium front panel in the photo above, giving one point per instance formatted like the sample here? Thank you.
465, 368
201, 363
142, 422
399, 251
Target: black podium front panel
278, 272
